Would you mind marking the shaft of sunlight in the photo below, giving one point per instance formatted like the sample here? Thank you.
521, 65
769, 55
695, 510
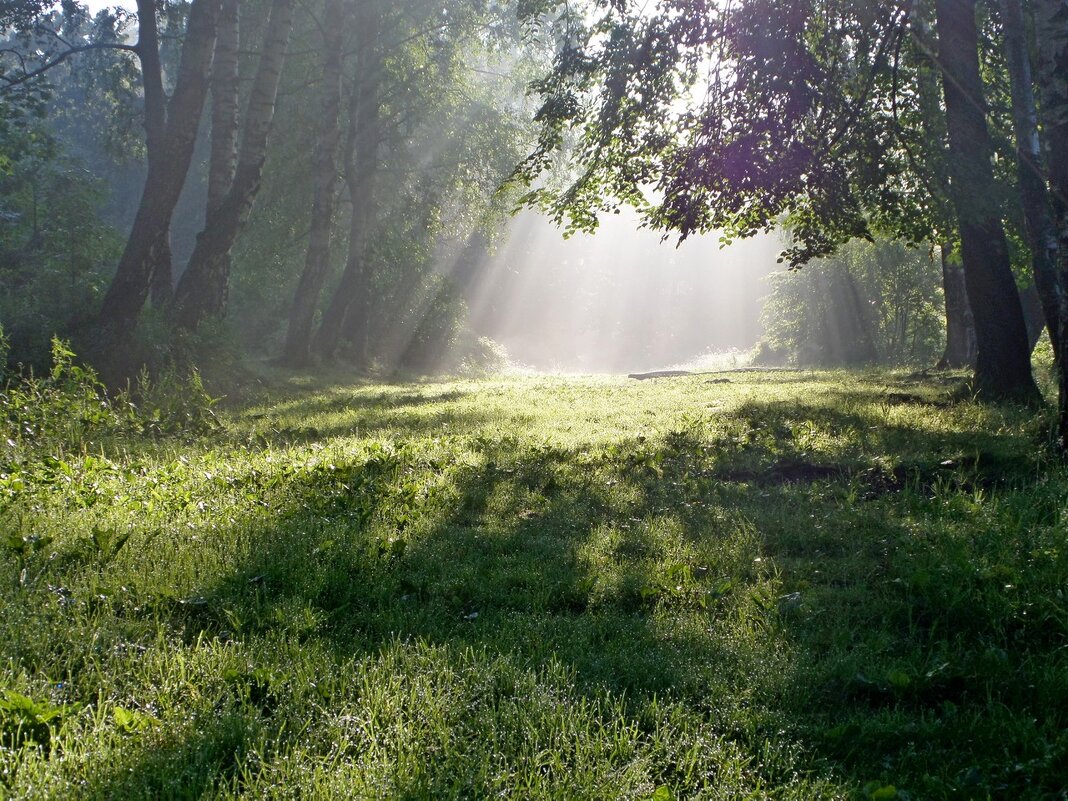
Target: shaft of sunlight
620, 300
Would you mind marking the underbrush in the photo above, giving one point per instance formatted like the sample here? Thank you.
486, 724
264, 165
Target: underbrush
69, 408
786, 585
55, 430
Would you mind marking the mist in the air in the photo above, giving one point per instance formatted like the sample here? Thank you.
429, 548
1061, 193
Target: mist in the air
620, 300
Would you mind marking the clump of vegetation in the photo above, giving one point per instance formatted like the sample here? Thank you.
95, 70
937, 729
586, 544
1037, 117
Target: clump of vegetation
69, 410
65, 409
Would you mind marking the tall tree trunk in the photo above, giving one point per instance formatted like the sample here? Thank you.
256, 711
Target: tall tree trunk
204, 287
298, 336
1034, 315
352, 289
151, 77
361, 164
224, 122
162, 288
1038, 218
1051, 24
166, 176
1003, 362
960, 327
155, 130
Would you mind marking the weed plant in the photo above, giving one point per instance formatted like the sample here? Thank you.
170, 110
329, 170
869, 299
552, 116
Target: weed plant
788, 585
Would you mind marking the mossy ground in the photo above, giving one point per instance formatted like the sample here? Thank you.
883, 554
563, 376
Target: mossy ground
788, 585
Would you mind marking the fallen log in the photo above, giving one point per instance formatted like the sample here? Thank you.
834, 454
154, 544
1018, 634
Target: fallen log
659, 374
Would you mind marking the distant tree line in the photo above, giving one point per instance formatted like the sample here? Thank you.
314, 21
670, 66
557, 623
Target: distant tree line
870, 303
880, 303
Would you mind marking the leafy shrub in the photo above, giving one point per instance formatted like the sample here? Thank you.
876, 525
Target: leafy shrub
55, 250
172, 404
58, 410
436, 328
767, 355
481, 355
24, 720
69, 408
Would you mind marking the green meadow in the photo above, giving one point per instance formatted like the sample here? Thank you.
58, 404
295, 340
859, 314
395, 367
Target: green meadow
754, 584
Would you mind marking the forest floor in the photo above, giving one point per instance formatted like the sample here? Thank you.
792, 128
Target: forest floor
783, 585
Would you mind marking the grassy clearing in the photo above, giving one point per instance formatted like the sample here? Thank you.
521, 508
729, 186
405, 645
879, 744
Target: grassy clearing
788, 585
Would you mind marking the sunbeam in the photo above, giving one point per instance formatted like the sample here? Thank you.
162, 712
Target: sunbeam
621, 299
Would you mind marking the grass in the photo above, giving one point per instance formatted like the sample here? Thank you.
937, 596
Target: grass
789, 585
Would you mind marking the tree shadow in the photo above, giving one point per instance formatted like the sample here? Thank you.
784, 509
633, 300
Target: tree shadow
400, 413
185, 766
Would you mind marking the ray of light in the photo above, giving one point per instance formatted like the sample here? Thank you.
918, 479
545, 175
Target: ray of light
620, 300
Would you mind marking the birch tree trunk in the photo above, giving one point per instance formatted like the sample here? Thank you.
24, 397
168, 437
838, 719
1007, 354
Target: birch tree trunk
297, 351
166, 176
224, 120
1003, 361
960, 328
204, 287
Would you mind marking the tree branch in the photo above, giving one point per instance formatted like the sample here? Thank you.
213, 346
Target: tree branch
11, 83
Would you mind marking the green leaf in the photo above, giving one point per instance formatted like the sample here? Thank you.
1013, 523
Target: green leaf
885, 792
129, 721
108, 541
899, 679
23, 719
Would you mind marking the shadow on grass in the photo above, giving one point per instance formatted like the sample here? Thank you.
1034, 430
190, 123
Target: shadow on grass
347, 398
787, 604
189, 765
404, 414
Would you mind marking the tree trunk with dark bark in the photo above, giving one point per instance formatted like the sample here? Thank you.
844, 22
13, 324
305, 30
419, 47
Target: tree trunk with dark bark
155, 130
1034, 315
960, 326
297, 351
148, 240
162, 290
1051, 24
361, 164
1003, 362
151, 77
1034, 198
204, 287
